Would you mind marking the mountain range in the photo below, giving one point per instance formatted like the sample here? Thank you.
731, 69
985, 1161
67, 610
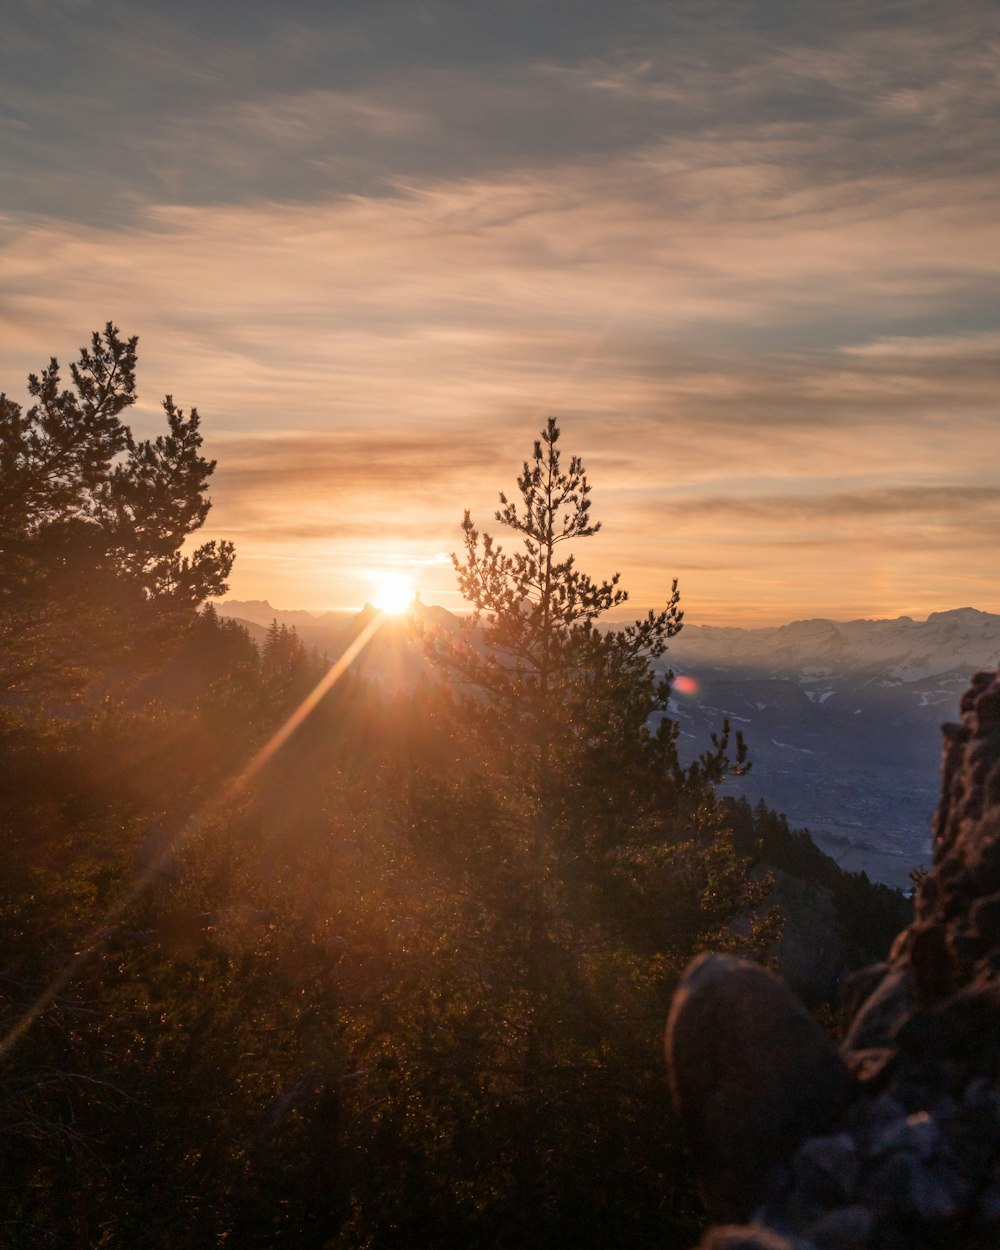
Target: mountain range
902, 649
325, 631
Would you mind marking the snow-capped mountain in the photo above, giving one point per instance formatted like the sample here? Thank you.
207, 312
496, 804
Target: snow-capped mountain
902, 649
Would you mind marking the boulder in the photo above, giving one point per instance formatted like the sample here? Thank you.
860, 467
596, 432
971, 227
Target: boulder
752, 1074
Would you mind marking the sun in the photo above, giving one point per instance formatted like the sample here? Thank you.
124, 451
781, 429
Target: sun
393, 593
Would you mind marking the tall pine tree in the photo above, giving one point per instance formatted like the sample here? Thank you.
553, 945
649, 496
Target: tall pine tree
569, 707
583, 862
93, 522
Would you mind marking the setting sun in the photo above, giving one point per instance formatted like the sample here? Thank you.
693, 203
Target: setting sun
393, 593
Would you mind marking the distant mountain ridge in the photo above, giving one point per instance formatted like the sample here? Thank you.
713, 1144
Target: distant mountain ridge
261, 612
900, 649
903, 649
322, 630
325, 631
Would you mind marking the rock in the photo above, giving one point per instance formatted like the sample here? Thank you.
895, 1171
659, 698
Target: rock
918, 1133
881, 1013
745, 1237
871, 1067
873, 1119
931, 961
826, 1169
751, 1075
846, 1228
861, 985
974, 1141
985, 919
965, 1024
989, 1200
937, 1196
888, 1189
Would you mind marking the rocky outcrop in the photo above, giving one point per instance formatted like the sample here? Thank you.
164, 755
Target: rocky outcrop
894, 1143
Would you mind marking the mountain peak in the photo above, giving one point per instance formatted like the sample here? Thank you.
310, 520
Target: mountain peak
967, 615
960, 640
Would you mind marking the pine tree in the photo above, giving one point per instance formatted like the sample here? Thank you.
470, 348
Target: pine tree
571, 704
93, 522
546, 664
270, 649
588, 862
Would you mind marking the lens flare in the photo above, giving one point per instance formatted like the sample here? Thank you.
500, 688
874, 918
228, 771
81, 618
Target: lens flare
689, 687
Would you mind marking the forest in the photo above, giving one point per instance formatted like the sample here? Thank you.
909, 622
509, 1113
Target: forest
295, 956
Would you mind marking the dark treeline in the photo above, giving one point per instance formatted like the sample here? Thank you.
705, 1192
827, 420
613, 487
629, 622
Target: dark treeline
404, 982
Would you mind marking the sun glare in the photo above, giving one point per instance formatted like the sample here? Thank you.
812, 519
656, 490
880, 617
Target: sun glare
393, 593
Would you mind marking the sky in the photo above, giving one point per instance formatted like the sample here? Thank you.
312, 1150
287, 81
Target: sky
747, 254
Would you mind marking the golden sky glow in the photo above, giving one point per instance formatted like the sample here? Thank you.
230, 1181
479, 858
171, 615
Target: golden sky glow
748, 255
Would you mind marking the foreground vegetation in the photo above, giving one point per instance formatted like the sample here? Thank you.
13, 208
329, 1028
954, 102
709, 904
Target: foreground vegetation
401, 981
